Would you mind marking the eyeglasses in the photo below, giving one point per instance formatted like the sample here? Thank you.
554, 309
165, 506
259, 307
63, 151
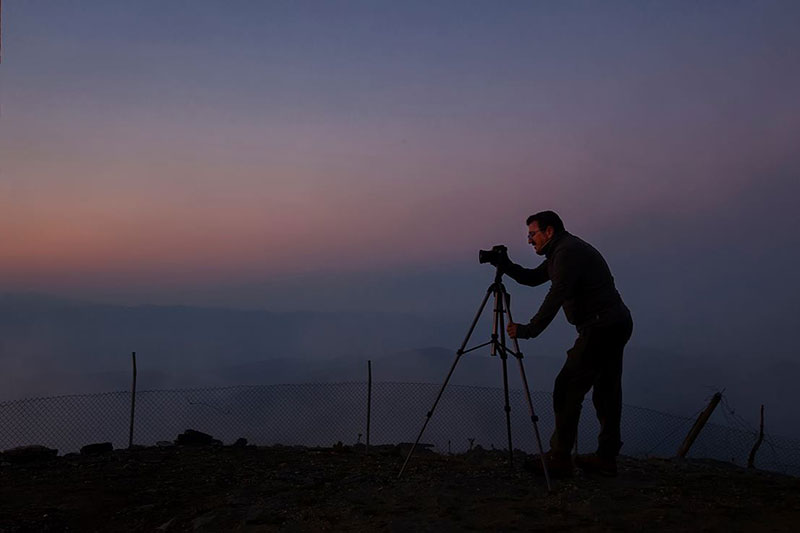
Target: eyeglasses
534, 232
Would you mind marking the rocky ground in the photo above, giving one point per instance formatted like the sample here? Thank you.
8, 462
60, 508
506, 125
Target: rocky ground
226, 488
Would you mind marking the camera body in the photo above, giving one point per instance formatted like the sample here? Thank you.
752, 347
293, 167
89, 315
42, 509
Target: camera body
498, 255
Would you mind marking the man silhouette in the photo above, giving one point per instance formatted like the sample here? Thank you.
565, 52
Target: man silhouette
581, 284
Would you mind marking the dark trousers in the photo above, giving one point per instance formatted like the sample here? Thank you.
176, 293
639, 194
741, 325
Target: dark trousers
594, 361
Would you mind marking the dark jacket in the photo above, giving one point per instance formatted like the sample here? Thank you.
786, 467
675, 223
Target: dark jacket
581, 283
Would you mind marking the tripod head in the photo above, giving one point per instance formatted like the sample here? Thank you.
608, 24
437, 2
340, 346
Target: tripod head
499, 272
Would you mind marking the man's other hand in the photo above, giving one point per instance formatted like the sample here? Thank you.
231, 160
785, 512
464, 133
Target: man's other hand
511, 328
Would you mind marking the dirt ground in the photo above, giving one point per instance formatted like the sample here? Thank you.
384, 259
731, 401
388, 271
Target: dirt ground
247, 488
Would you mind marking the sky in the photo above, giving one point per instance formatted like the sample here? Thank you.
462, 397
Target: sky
357, 155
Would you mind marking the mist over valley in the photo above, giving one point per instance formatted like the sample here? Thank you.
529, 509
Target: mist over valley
52, 346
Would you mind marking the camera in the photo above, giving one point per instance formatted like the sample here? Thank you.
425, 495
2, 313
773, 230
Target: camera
498, 255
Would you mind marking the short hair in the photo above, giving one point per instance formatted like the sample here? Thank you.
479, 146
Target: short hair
546, 218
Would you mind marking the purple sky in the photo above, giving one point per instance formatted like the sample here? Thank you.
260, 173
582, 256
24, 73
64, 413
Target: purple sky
358, 154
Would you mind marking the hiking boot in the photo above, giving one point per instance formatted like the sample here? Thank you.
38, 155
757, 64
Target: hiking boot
593, 463
558, 465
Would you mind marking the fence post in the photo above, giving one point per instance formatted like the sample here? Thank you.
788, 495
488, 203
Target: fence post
133, 401
576, 437
698, 425
752, 459
369, 398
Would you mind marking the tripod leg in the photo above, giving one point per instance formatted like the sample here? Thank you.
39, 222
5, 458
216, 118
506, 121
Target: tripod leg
459, 353
504, 358
534, 418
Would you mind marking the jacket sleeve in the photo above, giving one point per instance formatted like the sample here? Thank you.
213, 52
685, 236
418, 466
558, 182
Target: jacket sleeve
528, 276
565, 273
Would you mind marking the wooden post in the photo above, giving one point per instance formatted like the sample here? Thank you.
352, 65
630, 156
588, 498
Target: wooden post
752, 459
133, 401
698, 425
576, 438
369, 398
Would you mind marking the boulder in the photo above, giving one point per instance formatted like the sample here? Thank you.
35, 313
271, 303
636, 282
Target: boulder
192, 437
29, 454
97, 448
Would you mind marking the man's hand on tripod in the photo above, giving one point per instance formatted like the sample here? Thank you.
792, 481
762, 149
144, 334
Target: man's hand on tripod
511, 329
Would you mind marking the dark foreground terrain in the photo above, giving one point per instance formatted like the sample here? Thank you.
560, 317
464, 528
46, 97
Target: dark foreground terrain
215, 488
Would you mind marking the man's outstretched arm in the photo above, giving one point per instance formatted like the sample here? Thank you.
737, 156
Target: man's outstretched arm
526, 276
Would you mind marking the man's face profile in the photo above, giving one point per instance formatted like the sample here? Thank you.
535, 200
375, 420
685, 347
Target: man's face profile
537, 237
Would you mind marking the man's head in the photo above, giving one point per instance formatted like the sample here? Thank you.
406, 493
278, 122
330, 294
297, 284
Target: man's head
542, 227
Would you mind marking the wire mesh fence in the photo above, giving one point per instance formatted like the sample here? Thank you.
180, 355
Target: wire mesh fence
321, 414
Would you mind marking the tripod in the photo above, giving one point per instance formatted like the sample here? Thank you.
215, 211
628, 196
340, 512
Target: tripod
502, 308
